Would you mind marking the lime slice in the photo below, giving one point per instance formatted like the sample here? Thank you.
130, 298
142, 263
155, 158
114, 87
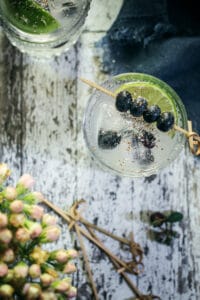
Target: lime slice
153, 93
29, 16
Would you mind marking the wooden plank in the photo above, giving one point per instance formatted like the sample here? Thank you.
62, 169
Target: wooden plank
103, 191
49, 143
193, 221
11, 130
124, 203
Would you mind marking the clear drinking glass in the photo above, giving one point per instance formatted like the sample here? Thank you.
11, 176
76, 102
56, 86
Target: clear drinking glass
130, 155
43, 27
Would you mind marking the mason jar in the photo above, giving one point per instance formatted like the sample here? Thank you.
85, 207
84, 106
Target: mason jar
43, 27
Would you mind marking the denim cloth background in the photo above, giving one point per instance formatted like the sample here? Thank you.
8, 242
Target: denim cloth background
161, 38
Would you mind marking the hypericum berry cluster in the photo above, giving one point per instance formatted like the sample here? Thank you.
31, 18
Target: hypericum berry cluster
139, 107
26, 270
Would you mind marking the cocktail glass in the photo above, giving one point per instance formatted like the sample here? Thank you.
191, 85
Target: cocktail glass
43, 27
128, 145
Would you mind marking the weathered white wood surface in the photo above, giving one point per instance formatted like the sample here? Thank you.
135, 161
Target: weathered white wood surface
41, 110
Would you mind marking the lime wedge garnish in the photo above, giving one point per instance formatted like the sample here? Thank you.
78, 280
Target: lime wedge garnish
153, 93
29, 16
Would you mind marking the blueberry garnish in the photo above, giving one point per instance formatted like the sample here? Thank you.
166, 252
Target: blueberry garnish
148, 139
166, 121
138, 107
123, 101
152, 113
108, 139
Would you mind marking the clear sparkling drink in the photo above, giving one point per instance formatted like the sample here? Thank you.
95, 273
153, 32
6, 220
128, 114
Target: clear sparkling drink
43, 27
126, 144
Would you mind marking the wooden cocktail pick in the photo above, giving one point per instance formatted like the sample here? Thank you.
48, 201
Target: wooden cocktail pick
193, 137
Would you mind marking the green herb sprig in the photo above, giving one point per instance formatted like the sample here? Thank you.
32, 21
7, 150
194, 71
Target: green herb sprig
162, 223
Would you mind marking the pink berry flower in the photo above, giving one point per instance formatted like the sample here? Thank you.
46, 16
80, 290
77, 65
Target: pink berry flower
61, 286
8, 256
26, 181
22, 235
5, 236
4, 172
10, 193
35, 230
72, 292
35, 211
17, 220
3, 269
3, 220
69, 268
6, 291
20, 271
46, 279
34, 271
48, 220
50, 234
16, 206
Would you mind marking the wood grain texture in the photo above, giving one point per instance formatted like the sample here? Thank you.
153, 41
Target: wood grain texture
10, 105
41, 111
169, 271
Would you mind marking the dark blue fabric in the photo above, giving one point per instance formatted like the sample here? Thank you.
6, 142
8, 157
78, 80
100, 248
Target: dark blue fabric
161, 38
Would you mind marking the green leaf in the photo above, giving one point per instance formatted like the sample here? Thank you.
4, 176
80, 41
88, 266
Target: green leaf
174, 217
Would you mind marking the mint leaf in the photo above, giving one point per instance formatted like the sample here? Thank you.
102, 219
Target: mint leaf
174, 217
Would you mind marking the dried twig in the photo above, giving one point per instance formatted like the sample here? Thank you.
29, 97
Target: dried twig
75, 220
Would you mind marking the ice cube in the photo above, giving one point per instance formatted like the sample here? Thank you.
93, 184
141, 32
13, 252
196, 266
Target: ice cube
111, 119
140, 153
